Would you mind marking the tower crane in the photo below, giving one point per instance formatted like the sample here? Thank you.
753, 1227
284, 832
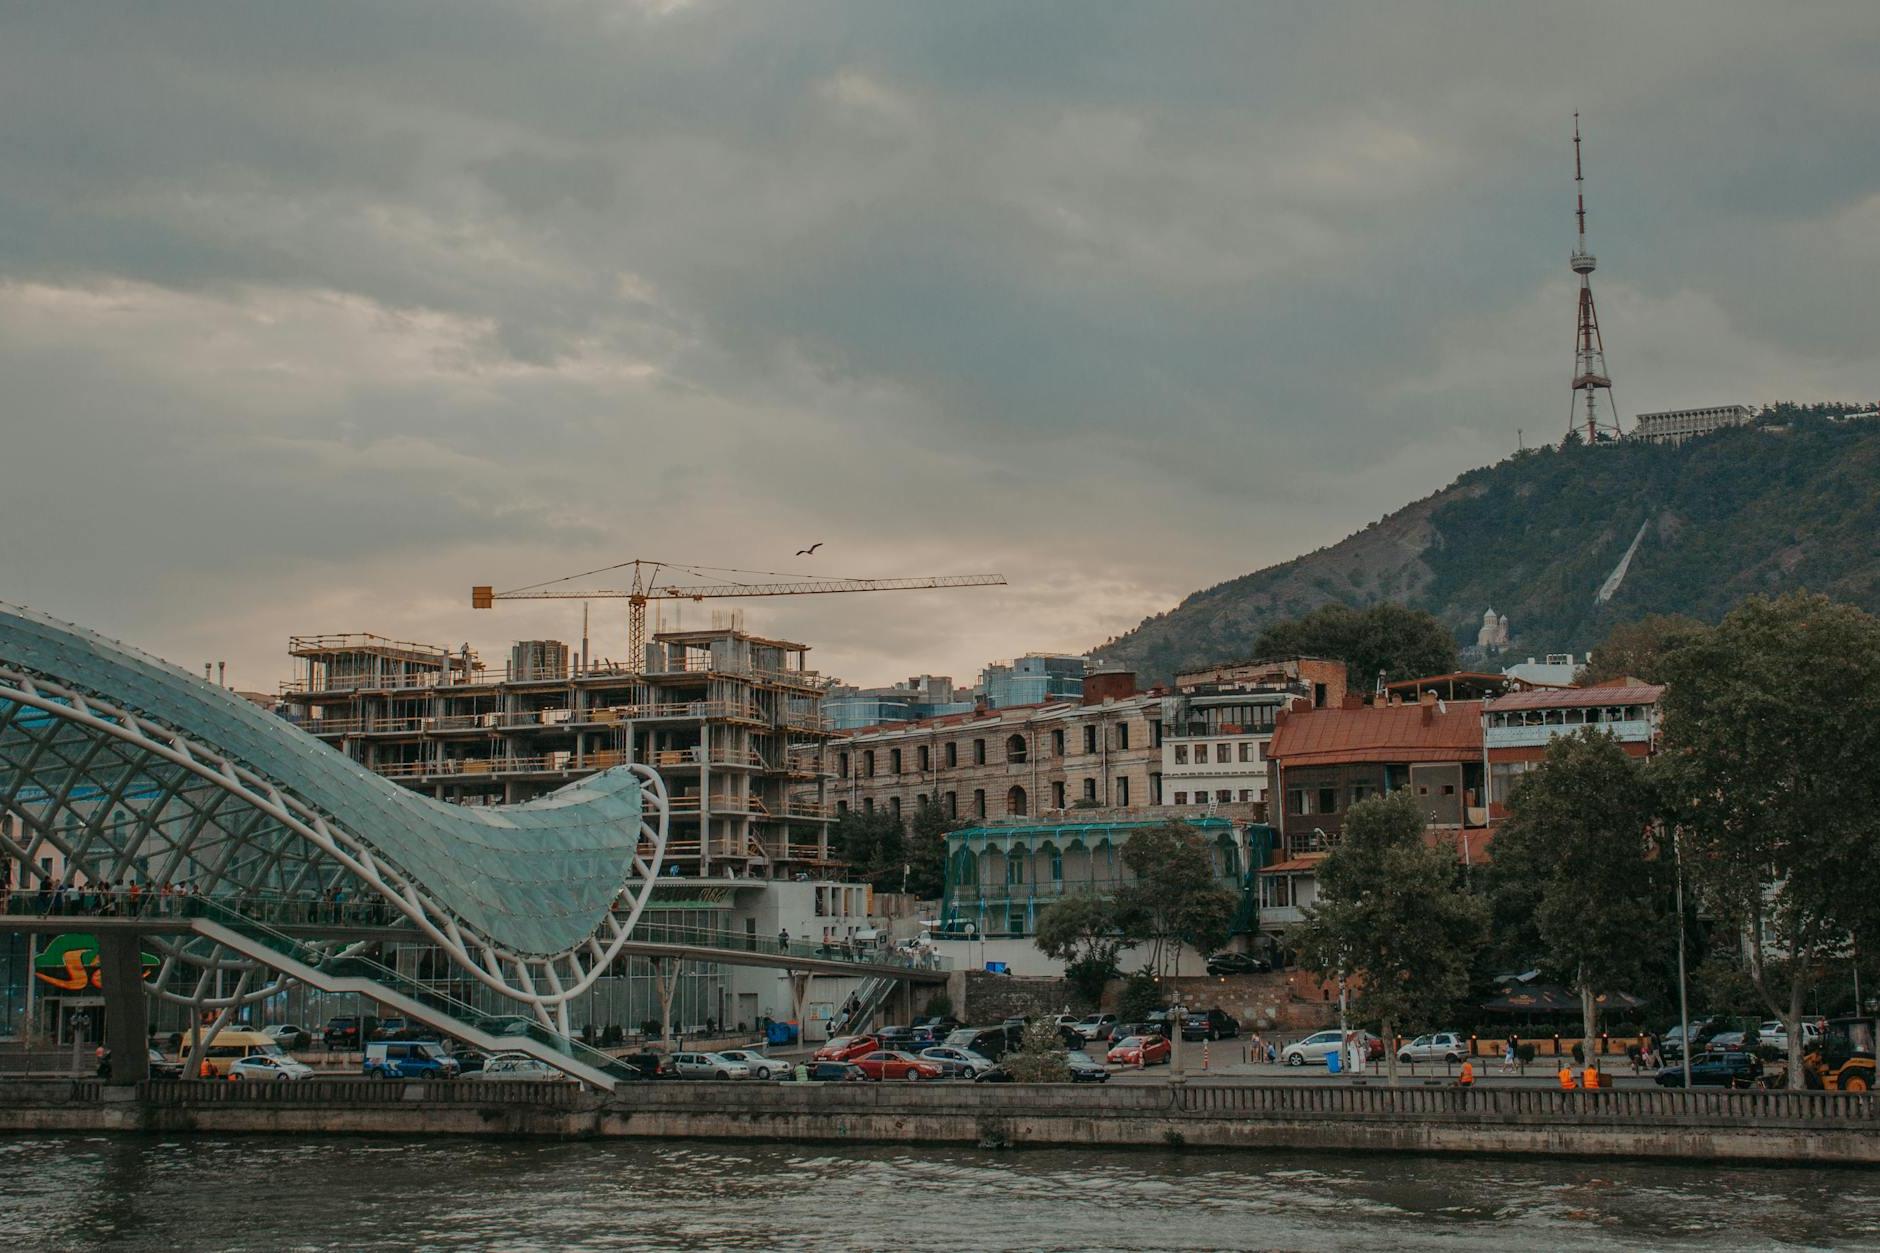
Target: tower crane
657, 580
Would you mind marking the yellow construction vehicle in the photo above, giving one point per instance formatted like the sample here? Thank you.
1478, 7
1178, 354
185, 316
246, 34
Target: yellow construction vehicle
1841, 1058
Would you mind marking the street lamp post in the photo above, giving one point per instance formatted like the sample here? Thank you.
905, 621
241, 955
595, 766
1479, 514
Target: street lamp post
1684, 1001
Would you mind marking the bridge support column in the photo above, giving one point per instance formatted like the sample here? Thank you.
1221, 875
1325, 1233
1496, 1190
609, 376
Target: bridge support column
126, 1006
799, 998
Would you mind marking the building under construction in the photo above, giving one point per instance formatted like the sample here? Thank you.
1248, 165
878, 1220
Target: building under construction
730, 720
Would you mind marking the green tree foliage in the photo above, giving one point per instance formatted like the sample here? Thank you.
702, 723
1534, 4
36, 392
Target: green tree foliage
1039, 1057
1637, 648
873, 845
1174, 901
1141, 996
1085, 933
1578, 858
926, 851
1388, 638
1772, 732
1392, 913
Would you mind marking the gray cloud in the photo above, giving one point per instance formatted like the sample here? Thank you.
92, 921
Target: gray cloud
312, 315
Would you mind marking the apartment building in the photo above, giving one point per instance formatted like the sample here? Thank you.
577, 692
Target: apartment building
730, 720
1217, 724
1674, 426
1104, 750
1517, 728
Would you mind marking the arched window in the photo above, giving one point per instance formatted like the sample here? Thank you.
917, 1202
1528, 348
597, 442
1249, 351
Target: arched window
1015, 748
1015, 802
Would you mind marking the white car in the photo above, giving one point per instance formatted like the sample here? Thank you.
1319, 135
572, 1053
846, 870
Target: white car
518, 1068
954, 1059
282, 1033
1775, 1035
707, 1066
756, 1064
1443, 1046
1318, 1046
265, 1067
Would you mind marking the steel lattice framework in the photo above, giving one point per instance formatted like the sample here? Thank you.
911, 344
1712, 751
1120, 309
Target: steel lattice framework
176, 781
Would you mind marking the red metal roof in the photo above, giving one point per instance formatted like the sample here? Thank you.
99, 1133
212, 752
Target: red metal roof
1631, 693
1293, 865
1445, 731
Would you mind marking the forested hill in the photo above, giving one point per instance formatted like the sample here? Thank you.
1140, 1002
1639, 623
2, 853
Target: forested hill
1765, 509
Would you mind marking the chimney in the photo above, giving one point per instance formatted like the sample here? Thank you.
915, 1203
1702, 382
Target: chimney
1427, 699
1353, 700
221, 674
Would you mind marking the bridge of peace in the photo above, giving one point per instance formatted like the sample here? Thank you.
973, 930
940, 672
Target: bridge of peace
293, 864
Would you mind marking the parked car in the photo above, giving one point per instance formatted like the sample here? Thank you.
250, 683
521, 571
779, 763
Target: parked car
940, 1023
846, 1048
650, 1063
836, 1072
469, 1061
1322, 1044
162, 1067
1209, 1024
708, 1066
760, 1067
1140, 1050
288, 1036
264, 1067
925, 1037
989, 1042
408, 1059
397, 1029
895, 1037
1723, 1068
1085, 1068
1773, 1034
346, 1034
998, 1074
1237, 964
1441, 1046
1095, 1026
1725, 1041
895, 1064
956, 1063
519, 1068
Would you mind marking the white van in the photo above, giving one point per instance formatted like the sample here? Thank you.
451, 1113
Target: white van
230, 1047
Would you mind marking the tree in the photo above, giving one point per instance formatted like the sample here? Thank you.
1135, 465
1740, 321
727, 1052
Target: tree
1085, 933
873, 845
1392, 913
1174, 901
1637, 648
1772, 729
926, 851
1402, 643
1578, 857
1040, 1055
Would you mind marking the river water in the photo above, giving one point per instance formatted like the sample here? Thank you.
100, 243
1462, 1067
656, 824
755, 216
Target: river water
182, 1195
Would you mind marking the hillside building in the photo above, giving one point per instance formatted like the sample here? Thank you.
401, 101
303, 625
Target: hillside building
1217, 723
1517, 728
1674, 426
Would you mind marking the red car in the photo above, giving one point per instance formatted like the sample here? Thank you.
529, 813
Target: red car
846, 1048
1140, 1050
893, 1064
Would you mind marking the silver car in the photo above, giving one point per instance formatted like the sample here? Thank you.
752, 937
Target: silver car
957, 1062
707, 1066
1442, 1046
759, 1066
518, 1068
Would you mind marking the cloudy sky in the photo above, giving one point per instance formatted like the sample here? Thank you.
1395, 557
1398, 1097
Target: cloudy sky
312, 315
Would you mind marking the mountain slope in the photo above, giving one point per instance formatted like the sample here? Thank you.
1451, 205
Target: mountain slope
1738, 512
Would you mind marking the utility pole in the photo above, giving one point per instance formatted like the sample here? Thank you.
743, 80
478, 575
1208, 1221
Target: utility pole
1684, 1000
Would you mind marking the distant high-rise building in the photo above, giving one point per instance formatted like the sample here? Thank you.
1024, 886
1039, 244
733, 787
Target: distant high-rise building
1034, 679
1674, 426
921, 696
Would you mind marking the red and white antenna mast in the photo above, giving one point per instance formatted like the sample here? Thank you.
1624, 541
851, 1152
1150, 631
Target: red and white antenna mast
1589, 359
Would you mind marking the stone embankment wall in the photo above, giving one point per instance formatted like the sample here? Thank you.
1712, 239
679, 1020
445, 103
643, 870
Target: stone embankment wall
1781, 1127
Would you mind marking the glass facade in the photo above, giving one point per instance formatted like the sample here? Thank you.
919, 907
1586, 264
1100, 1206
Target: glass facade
1032, 680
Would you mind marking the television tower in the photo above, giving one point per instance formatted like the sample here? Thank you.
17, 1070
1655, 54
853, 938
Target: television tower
1589, 360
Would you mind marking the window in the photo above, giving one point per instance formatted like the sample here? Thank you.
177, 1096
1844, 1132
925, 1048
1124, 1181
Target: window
1297, 802
1090, 789
1224, 795
1014, 870
894, 761
1057, 794
1359, 791
868, 804
953, 754
979, 752
953, 804
894, 807
1328, 800
1246, 794
842, 765
1090, 739
868, 764
1015, 802
1122, 789
1015, 748
1122, 735
1181, 754
1057, 866
1057, 742
1223, 753
979, 802
842, 808
1246, 751
1181, 798
925, 757
1155, 733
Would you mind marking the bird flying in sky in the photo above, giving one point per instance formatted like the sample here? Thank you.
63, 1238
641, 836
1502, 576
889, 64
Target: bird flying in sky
810, 551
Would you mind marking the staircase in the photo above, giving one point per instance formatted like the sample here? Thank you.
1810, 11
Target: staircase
870, 1001
363, 976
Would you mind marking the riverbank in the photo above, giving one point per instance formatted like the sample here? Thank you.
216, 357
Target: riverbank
1788, 1128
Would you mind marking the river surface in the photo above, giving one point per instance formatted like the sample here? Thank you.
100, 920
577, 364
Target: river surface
183, 1195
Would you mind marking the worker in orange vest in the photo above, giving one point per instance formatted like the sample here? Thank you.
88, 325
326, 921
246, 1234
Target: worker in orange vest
1589, 1078
1467, 1078
207, 1071
1566, 1077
